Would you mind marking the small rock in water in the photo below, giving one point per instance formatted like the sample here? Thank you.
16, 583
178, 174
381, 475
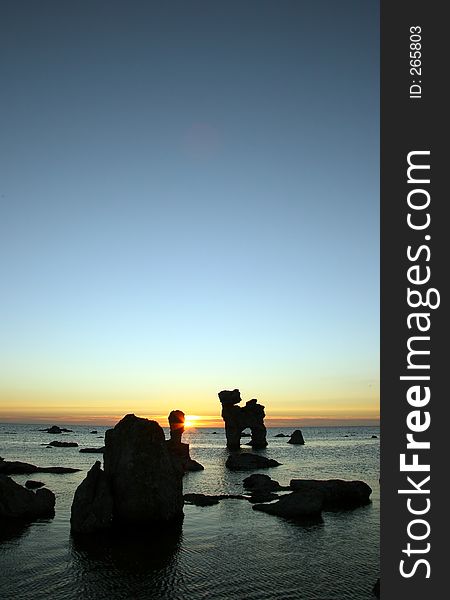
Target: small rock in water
57, 444
93, 450
297, 438
94, 431
248, 461
261, 483
281, 435
374, 437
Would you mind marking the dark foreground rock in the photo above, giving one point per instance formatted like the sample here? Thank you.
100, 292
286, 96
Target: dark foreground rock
337, 493
237, 418
298, 506
210, 500
58, 444
16, 502
297, 438
178, 450
33, 485
248, 462
145, 484
92, 507
20, 468
92, 450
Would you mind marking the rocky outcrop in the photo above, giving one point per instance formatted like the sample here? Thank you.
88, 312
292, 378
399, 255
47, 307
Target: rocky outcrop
179, 450
92, 507
297, 438
248, 462
145, 484
16, 502
337, 494
298, 506
92, 450
20, 468
237, 418
63, 444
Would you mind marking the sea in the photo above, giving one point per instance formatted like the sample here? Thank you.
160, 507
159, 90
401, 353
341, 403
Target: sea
223, 552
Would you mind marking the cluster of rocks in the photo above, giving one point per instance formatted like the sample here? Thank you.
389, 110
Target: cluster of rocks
238, 418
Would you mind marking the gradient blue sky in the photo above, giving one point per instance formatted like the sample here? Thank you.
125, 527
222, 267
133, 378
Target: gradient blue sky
189, 202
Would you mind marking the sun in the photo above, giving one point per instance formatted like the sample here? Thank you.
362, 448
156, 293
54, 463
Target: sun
190, 421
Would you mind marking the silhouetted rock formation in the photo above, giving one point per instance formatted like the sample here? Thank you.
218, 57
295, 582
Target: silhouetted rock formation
20, 468
56, 429
337, 494
16, 502
33, 485
238, 418
179, 450
299, 506
140, 487
92, 507
248, 462
63, 444
146, 485
92, 450
297, 438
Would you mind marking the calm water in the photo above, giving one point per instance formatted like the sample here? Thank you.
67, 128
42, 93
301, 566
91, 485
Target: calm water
224, 552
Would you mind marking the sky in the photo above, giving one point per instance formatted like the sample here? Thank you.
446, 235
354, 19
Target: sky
189, 202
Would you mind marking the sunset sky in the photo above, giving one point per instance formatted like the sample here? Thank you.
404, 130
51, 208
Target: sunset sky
189, 203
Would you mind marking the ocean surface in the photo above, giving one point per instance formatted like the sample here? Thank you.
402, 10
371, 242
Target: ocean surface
224, 552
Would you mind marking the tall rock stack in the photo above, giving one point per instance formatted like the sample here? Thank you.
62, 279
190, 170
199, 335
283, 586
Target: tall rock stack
179, 450
237, 418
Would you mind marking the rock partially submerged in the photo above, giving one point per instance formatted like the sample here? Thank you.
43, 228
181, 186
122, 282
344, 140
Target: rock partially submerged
56, 429
58, 444
16, 502
92, 507
298, 506
297, 438
238, 418
92, 450
262, 483
210, 500
281, 435
94, 431
20, 468
248, 461
337, 493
